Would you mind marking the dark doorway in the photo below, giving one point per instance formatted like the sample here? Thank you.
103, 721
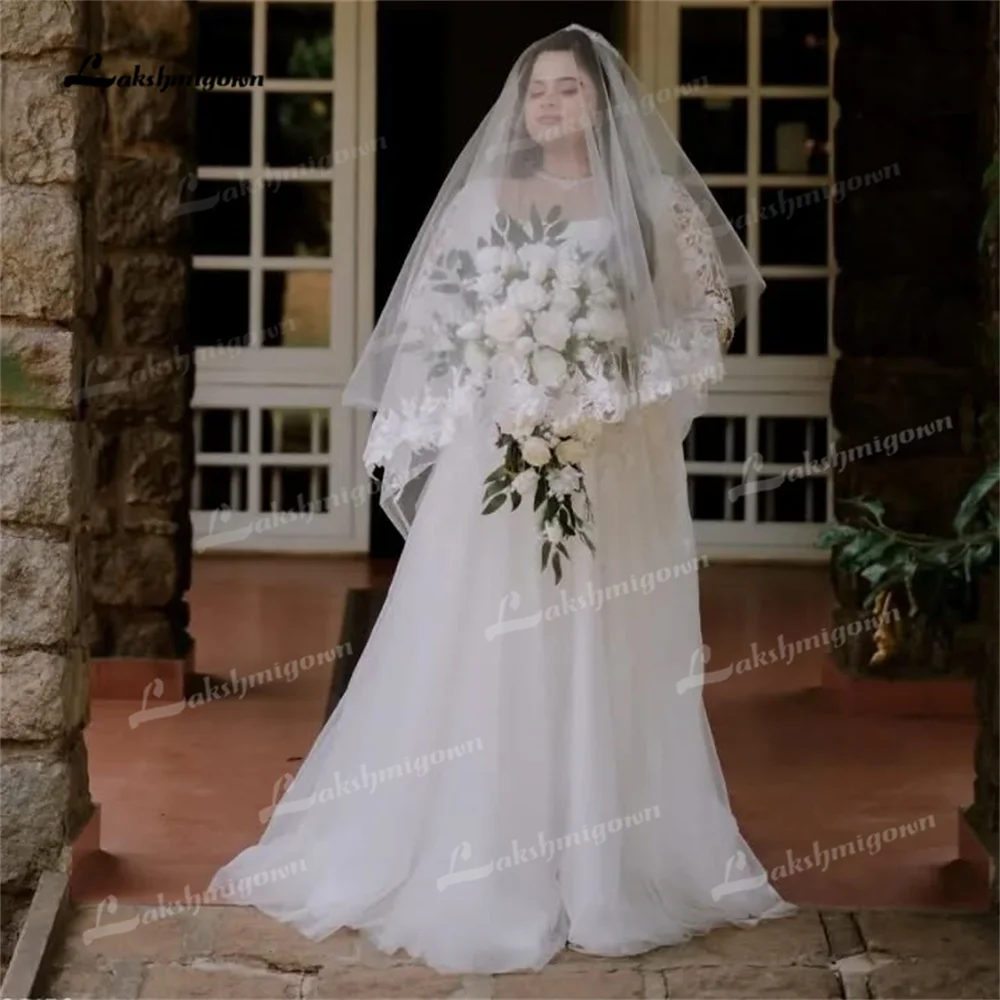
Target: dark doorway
440, 67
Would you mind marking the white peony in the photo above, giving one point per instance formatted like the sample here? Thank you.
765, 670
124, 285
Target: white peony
503, 324
487, 259
536, 452
489, 284
476, 359
552, 532
525, 482
571, 451
469, 331
565, 299
552, 328
527, 294
549, 367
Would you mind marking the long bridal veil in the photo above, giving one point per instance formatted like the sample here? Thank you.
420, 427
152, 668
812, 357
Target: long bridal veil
642, 185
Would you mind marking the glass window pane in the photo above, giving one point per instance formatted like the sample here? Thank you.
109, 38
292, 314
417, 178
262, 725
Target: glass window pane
221, 486
795, 46
714, 133
716, 439
793, 225
225, 32
794, 137
297, 308
297, 219
291, 431
793, 316
290, 489
733, 202
300, 40
220, 308
222, 131
709, 498
801, 501
792, 439
222, 431
714, 45
298, 130
221, 214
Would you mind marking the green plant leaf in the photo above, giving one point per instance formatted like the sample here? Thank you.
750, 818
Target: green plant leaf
495, 504
978, 492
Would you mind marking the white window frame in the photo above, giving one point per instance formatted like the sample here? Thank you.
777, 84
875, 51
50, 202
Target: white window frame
256, 378
754, 386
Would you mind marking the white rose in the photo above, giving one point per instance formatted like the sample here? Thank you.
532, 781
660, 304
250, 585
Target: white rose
553, 533
536, 452
523, 346
571, 451
525, 482
549, 367
569, 273
552, 328
596, 278
487, 259
503, 324
508, 260
469, 331
488, 285
537, 259
528, 294
565, 298
604, 296
476, 359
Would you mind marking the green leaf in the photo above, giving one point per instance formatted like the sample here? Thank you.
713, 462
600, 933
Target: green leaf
495, 504
977, 493
554, 212
587, 542
493, 489
540, 493
557, 566
537, 227
546, 551
558, 228
516, 234
515, 500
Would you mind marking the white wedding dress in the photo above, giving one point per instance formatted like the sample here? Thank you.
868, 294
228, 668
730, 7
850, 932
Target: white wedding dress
515, 765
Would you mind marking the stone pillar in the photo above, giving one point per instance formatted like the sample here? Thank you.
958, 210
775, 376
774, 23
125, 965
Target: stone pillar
140, 381
907, 313
48, 166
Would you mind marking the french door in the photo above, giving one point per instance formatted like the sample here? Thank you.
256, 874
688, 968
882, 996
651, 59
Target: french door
756, 118
282, 219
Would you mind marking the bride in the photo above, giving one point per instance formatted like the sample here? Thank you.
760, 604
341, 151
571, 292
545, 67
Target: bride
522, 760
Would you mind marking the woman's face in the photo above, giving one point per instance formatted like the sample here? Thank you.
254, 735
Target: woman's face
561, 99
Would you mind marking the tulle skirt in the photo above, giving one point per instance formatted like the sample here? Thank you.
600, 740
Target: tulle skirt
516, 765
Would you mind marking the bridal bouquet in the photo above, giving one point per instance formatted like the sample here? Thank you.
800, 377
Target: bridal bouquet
541, 322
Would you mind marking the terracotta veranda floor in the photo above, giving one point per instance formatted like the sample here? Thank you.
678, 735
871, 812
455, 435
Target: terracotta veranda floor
181, 795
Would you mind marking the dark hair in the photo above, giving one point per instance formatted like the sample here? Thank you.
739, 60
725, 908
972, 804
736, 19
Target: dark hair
526, 154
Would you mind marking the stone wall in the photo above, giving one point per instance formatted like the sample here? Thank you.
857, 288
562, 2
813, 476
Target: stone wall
49, 168
908, 309
140, 381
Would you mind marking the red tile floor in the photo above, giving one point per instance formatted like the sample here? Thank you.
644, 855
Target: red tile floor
182, 795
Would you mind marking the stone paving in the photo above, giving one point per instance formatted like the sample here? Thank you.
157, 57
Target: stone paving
236, 952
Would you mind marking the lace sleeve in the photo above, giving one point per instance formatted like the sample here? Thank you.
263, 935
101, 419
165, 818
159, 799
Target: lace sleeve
691, 269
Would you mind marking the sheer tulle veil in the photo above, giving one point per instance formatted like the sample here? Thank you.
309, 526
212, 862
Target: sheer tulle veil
640, 180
